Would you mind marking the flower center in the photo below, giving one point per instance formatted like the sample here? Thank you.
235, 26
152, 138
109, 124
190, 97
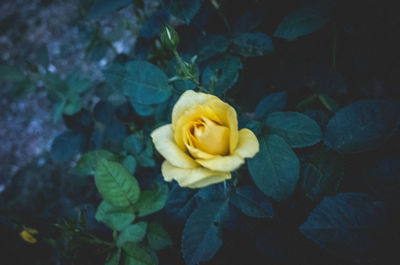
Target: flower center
210, 137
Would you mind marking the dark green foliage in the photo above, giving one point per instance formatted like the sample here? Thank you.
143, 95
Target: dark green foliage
182, 9
201, 237
157, 236
66, 146
297, 129
209, 46
145, 84
221, 74
252, 44
363, 125
252, 202
271, 103
275, 169
347, 224
322, 174
300, 22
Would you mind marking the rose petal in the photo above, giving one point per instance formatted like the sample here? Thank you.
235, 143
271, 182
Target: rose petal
163, 140
187, 101
198, 153
248, 144
192, 178
222, 163
229, 118
189, 116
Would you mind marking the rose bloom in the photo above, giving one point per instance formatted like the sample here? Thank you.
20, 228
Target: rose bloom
203, 144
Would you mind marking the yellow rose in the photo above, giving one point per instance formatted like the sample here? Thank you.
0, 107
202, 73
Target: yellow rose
203, 144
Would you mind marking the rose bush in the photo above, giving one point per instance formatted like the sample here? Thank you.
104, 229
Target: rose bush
203, 144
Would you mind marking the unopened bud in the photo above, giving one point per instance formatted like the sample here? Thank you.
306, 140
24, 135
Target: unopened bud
169, 38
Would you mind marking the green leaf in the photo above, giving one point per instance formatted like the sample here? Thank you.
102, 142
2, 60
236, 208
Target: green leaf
209, 46
275, 169
252, 202
130, 164
117, 186
158, 237
66, 145
201, 238
115, 218
88, 162
58, 110
141, 109
104, 111
115, 76
180, 203
101, 8
322, 174
114, 259
133, 144
297, 129
145, 83
73, 104
137, 255
271, 103
183, 9
363, 125
133, 233
300, 22
77, 83
348, 224
221, 74
253, 44
9, 73
151, 201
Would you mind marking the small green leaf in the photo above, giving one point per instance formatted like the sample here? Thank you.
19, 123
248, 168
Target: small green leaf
88, 162
271, 103
209, 46
137, 255
133, 233
114, 259
221, 74
348, 224
115, 218
130, 164
275, 169
297, 129
66, 145
158, 237
363, 125
253, 44
133, 144
151, 201
201, 238
300, 22
117, 186
77, 83
145, 83
322, 174
183, 9
252, 202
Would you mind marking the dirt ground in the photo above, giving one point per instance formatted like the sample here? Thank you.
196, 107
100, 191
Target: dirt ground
26, 126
